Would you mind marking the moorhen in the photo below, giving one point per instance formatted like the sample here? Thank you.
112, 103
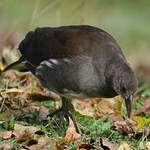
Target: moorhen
78, 61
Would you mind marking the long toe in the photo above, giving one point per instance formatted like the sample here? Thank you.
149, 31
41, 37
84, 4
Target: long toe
67, 111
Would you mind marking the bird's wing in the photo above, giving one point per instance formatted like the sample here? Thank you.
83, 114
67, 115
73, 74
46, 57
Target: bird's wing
74, 75
54, 74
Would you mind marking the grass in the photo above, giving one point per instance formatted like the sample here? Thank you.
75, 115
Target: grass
126, 20
93, 129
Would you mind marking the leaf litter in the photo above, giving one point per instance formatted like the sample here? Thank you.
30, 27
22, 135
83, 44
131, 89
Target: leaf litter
21, 94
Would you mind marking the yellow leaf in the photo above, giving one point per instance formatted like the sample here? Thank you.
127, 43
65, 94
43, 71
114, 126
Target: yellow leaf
1, 67
141, 121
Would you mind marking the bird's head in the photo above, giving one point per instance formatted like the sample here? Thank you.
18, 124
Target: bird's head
125, 84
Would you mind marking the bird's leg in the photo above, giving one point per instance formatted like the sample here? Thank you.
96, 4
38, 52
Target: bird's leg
67, 110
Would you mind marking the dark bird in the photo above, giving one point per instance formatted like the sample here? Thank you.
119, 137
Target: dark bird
77, 61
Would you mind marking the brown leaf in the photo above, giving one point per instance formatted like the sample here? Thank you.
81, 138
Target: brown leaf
126, 126
84, 107
5, 134
145, 108
44, 143
116, 117
124, 146
14, 98
71, 133
107, 145
49, 146
26, 79
86, 146
6, 146
17, 134
98, 106
148, 145
42, 147
5, 115
23, 133
8, 76
59, 147
26, 135
43, 113
105, 106
33, 107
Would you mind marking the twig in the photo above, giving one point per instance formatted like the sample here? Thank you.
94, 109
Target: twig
34, 13
43, 11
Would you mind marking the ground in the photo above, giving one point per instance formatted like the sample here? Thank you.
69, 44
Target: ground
25, 104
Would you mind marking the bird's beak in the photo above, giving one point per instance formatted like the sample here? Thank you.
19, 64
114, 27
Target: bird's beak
128, 103
19, 65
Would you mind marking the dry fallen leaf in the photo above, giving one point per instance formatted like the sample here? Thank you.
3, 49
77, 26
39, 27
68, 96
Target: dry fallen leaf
42, 142
86, 147
148, 145
5, 115
26, 79
14, 98
109, 106
44, 147
124, 146
43, 113
126, 126
83, 107
71, 133
98, 106
141, 121
116, 117
8, 76
144, 109
5, 134
40, 147
23, 133
6, 146
106, 144
33, 107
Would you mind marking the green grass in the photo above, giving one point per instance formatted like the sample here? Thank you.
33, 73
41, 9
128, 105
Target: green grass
128, 21
93, 130
13, 142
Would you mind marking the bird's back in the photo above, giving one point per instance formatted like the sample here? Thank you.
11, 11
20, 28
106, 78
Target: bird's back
67, 41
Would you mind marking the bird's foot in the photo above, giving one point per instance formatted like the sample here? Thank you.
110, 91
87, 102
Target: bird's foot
65, 112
